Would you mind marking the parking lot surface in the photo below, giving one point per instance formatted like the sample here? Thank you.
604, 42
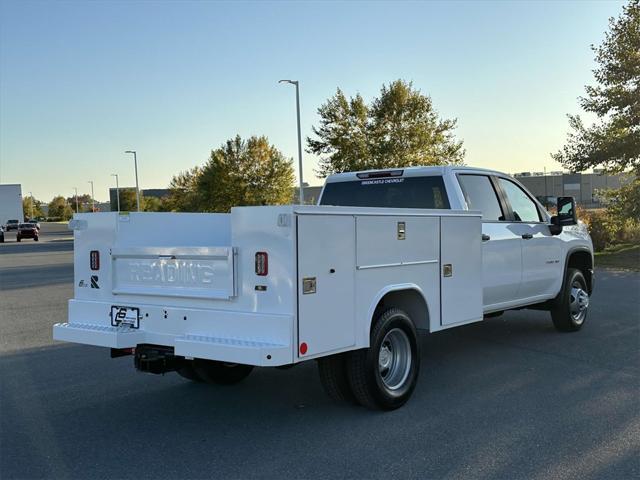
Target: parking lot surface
506, 398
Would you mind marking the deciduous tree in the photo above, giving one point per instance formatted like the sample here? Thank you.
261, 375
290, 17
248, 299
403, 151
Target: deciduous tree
613, 141
399, 128
240, 172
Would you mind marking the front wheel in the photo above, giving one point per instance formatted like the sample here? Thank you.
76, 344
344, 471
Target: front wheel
220, 373
35, 239
18, 239
384, 375
570, 308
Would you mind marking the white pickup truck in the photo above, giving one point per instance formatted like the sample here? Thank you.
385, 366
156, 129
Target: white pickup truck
349, 282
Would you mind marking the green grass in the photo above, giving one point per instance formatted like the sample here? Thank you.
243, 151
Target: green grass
625, 256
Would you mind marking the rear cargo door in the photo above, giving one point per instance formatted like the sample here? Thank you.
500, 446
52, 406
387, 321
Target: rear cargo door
326, 272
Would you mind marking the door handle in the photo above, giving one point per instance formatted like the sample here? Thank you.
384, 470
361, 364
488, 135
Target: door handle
527, 236
485, 237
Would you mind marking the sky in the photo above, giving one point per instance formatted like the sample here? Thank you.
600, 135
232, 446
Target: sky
81, 82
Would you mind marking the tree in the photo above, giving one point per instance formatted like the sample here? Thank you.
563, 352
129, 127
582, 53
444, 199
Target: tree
400, 128
184, 195
613, 141
128, 200
240, 172
84, 202
32, 208
59, 208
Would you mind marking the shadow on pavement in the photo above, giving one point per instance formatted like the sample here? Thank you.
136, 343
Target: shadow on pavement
482, 409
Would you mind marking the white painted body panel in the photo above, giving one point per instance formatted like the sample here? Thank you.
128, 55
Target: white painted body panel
203, 298
193, 279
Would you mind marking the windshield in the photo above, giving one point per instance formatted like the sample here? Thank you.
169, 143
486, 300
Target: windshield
26, 225
408, 192
12, 221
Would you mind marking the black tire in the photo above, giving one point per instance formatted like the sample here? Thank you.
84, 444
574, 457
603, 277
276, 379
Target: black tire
570, 307
369, 384
35, 239
187, 371
334, 378
220, 373
18, 239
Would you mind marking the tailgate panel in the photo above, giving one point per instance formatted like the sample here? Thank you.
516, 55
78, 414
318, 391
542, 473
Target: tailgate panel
187, 272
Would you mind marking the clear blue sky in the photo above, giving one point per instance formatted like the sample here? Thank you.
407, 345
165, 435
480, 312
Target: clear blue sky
81, 82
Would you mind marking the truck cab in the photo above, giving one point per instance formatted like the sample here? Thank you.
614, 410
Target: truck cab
524, 254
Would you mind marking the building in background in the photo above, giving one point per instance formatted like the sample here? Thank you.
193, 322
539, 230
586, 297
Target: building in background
11, 203
311, 194
583, 187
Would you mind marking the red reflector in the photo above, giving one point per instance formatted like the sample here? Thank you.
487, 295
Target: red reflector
262, 263
303, 348
94, 260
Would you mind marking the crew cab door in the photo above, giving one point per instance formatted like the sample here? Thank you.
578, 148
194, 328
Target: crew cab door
541, 251
501, 245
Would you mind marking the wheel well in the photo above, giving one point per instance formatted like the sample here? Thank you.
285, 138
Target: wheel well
583, 261
409, 300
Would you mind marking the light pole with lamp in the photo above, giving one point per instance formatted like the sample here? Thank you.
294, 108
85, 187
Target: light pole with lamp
135, 162
76, 189
117, 190
297, 85
93, 201
31, 195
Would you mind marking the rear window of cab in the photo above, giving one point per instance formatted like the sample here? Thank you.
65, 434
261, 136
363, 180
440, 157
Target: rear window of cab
395, 192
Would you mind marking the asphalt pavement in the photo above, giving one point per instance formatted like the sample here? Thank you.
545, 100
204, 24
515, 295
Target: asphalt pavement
507, 398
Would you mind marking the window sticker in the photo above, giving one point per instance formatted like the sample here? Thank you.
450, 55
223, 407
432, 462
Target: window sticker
379, 181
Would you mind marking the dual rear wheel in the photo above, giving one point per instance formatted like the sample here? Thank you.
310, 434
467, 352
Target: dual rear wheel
380, 377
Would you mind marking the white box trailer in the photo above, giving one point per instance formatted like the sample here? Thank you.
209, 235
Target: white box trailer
268, 286
11, 203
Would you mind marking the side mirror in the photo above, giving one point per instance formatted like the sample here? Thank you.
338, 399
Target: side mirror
566, 215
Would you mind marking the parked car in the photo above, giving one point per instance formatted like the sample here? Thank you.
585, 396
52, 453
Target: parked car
36, 223
12, 225
349, 282
27, 230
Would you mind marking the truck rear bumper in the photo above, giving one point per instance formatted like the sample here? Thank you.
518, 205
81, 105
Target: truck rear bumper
247, 338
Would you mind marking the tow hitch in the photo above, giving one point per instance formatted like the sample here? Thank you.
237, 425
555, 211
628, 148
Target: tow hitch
156, 359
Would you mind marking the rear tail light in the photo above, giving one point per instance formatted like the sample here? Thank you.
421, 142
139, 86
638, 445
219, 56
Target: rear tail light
94, 260
262, 263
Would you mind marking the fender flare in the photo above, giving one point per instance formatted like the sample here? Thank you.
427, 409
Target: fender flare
570, 252
384, 291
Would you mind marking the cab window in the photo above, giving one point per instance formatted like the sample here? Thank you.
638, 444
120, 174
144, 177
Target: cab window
524, 209
480, 195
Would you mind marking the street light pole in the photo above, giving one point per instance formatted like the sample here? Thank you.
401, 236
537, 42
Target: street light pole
135, 162
117, 190
31, 194
76, 189
297, 85
93, 201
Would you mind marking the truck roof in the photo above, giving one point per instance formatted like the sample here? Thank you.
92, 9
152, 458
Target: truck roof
419, 171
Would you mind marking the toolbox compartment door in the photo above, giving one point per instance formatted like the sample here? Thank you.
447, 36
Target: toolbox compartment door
460, 270
326, 292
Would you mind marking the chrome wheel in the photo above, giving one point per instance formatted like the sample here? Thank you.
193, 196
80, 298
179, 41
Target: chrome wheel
578, 303
394, 359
